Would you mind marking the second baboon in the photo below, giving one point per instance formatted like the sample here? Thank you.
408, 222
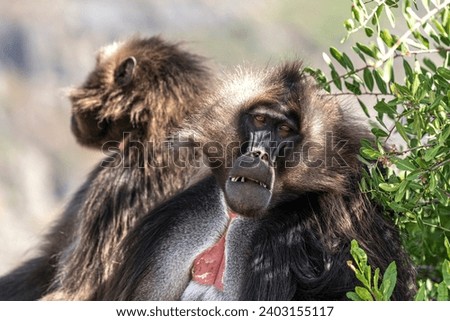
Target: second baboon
142, 89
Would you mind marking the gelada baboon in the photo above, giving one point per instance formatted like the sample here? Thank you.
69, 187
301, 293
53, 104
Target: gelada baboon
143, 88
275, 219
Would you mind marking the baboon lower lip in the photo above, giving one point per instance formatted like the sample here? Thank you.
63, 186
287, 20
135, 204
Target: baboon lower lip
244, 179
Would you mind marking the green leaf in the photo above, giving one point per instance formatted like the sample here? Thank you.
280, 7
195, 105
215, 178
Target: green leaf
387, 38
431, 153
432, 183
415, 85
369, 153
389, 280
446, 272
348, 61
447, 247
439, 27
376, 278
388, 71
442, 196
368, 276
368, 79
401, 131
404, 164
420, 296
442, 292
384, 108
364, 107
366, 50
389, 187
336, 79
445, 135
363, 293
400, 91
379, 132
444, 72
366, 143
326, 58
413, 176
368, 31
349, 24
396, 207
401, 191
358, 254
408, 70
357, 13
430, 64
359, 53
380, 82
353, 296
426, 4
379, 10
353, 87
390, 16
360, 276
336, 54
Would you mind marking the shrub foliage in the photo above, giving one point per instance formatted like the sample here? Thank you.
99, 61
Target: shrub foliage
398, 71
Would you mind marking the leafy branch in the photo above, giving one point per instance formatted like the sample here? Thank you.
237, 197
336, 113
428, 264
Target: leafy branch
409, 77
371, 289
411, 30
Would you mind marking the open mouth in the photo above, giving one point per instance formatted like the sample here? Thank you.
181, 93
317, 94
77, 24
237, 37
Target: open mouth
243, 179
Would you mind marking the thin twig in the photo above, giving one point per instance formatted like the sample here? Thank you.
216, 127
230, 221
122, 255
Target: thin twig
408, 33
391, 53
369, 17
439, 164
409, 150
362, 94
432, 225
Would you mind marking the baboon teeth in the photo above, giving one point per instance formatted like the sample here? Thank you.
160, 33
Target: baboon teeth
238, 179
244, 179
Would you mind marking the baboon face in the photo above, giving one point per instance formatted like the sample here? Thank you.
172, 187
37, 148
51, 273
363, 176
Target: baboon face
274, 137
269, 132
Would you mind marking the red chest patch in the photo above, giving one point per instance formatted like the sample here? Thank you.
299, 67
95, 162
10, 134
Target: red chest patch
208, 267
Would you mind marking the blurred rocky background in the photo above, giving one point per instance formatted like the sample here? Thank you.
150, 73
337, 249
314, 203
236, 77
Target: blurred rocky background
48, 46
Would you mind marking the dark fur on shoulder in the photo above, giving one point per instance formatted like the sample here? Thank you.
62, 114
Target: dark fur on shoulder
145, 88
300, 243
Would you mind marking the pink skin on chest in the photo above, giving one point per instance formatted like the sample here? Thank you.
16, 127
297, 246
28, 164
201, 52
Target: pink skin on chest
208, 267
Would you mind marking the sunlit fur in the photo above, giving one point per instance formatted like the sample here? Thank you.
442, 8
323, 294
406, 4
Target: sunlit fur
300, 246
167, 84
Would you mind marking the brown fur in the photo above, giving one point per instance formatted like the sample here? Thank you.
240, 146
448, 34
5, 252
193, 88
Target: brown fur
301, 244
166, 84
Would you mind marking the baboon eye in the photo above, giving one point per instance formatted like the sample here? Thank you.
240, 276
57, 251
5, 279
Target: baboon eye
284, 130
260, 120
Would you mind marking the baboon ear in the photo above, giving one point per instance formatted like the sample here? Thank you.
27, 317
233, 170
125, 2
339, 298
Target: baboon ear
124, 73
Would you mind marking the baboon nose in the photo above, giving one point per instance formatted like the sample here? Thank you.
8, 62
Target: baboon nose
260, 154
